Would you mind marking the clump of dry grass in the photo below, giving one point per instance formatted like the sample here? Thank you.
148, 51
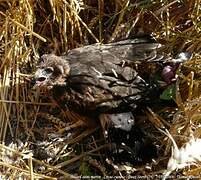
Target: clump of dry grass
30, 28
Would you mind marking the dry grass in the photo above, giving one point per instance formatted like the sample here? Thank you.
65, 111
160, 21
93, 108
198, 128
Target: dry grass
30, 28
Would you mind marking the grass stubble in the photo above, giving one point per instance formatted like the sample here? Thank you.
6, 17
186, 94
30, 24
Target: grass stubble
30, 28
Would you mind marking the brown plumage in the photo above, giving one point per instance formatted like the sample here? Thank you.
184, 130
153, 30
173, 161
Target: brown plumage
107, 82
98, 78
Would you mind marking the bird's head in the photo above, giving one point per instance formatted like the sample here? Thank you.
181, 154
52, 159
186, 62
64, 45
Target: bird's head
51, 71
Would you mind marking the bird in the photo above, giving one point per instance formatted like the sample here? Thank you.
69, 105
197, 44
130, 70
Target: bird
99, 78
106, 82
105, 78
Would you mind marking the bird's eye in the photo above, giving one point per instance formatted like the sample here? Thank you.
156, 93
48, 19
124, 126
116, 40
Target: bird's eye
41, 79
49, 70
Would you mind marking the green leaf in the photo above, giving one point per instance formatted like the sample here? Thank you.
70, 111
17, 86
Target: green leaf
169, 92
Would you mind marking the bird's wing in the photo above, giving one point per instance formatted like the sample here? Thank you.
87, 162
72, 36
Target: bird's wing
128, 50
100, 77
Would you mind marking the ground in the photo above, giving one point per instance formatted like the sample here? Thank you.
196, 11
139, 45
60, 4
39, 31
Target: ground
37, 140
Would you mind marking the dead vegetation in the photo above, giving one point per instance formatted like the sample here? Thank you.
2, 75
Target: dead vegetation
34, 143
